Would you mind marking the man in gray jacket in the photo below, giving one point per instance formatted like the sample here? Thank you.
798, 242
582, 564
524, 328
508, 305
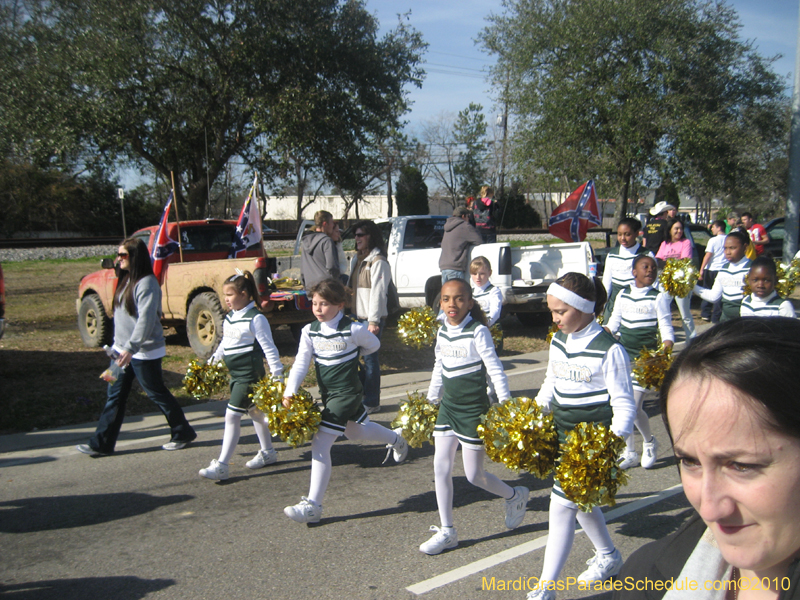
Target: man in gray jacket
319, 258
459, 237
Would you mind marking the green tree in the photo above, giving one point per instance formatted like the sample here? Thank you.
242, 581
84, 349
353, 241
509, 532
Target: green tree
163, 83
469, 133
412, 193
617, 88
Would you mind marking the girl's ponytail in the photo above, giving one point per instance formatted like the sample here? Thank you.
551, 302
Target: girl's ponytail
601, 296
243, 281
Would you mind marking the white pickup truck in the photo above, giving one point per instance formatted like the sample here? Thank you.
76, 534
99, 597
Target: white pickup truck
521, 273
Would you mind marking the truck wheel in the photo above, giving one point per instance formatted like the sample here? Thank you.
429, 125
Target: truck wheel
93, 322
297, 330
534, 319
204, 323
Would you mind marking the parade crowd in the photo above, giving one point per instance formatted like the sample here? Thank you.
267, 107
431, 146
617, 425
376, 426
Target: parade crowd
728, 400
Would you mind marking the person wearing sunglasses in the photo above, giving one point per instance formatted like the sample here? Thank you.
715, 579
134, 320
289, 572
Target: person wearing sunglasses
138, 349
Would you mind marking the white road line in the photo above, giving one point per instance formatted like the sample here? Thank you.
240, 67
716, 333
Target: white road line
490, 561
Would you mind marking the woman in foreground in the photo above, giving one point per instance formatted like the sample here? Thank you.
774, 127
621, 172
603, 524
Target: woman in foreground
730, 406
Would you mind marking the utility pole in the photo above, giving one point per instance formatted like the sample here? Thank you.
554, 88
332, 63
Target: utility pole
504, 125
792, 223
121, 195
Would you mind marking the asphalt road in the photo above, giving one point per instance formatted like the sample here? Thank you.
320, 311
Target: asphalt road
143, 524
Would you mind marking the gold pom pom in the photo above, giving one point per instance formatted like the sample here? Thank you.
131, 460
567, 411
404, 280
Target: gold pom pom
203, 380
651, 366
788, 277
497, 335
418, 327
587, 471
416, 419
517, 434
679, 277
550, 333
295, 425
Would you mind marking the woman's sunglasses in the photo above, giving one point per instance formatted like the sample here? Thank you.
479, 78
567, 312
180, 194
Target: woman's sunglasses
361, 234
122, 254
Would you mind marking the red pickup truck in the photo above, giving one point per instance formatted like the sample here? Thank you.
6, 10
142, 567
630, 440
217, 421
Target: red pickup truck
192, 289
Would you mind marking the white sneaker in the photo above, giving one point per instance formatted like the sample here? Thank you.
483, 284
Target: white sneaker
541, 593
398, 450
601, 567
307, 511
629, 460
216, 471
516, 507
650, 453
262, 459
444, 539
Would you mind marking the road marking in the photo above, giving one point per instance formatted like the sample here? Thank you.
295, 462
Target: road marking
511, 553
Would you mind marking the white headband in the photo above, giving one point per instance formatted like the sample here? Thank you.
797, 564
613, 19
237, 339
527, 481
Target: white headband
571, 298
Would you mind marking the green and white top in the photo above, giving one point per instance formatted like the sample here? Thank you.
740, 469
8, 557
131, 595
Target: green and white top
771, 306
728, 286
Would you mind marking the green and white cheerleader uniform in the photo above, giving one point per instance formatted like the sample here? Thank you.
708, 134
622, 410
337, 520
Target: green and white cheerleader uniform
640, 314
588, 380
465, 354
771, 306
618, 273
246, 340
490, 299
728, 286
335, 346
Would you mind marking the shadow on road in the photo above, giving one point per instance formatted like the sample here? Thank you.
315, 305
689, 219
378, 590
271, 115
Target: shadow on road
26, 515
119, 588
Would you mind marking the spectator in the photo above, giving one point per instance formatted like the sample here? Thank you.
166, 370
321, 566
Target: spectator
713, 261
459, 237
655, 232
483, 209
370, 276
731, 222
319, 259
678, 246
756, 231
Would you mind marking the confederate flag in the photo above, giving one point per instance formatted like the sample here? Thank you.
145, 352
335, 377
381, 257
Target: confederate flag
248, 229
571, 220
164, 245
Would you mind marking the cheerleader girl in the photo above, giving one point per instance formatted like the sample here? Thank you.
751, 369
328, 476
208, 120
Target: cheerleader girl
588, 380
246, 340
464, 354
488, 297
640, 314
764, 301
730, 280
619, 260
334, 342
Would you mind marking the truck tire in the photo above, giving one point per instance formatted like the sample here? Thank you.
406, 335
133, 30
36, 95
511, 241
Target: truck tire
297, 330
93, 322
204, 323
534, 319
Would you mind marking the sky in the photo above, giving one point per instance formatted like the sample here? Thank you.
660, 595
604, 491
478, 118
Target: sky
456, 67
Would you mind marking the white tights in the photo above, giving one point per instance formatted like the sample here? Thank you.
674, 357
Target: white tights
642, 421
321, 452
443, 459
233, 429
562, 533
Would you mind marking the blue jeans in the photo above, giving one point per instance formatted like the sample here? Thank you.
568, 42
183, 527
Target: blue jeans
448, 274
148, 374
370, 374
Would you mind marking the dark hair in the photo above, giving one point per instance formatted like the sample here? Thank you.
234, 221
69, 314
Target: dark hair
767, 263
757, 357
639, 257
749, 215
743, 238
321, 217
375, 235
589, 289
139, 267
635, 225
672, 222
244, 282
475, 312
330, 290
719, 223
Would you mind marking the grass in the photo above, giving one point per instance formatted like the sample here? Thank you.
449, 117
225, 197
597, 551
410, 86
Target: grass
50, 379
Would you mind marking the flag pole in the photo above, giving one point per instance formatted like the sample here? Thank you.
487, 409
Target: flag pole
177, 217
